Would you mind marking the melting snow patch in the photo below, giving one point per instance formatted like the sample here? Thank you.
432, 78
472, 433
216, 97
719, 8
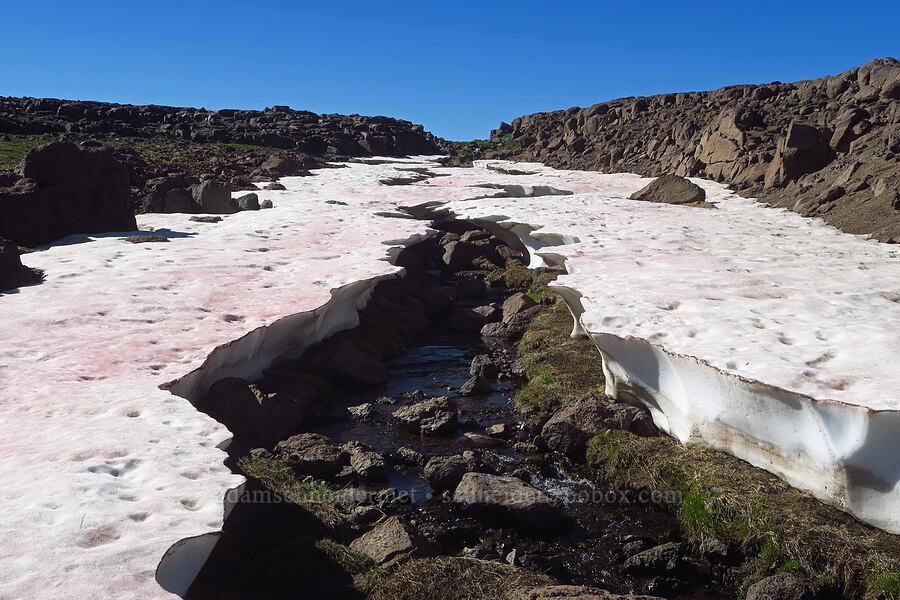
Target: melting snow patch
745, 328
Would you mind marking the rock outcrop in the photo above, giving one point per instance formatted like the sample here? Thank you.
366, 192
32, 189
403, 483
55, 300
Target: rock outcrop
12, 273
61, 189
277, 127
789, 144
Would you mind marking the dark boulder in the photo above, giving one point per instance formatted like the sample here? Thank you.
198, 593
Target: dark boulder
66, 190
312, 454
671, 189
393, 542
570, 428
255, 416
783, 586
12, 273
507, 497
445, 472
665, 559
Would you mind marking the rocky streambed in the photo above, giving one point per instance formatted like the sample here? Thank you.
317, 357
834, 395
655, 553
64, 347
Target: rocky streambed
401, 440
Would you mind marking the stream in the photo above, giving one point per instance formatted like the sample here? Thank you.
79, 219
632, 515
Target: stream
268, 549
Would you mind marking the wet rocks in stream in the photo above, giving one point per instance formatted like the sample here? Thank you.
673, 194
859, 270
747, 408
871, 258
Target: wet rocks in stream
570, 428
507, 497
436, 416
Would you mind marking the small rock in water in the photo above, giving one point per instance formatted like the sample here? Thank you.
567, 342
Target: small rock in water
663, 559
501, 430
483, 441
475, 386
507, 496
415, 395
266, 204
365, 461
437, 416
408, 456
362, 412
445, 472
206, 219
275, 186
484, 366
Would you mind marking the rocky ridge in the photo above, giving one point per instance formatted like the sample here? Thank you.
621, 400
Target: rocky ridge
824, 147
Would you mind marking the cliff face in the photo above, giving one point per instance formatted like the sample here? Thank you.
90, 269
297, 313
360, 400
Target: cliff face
825, 147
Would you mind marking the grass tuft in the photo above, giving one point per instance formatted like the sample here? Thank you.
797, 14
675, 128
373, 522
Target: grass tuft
454, 578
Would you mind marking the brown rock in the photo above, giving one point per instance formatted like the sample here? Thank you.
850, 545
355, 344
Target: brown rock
393, 542
670, 189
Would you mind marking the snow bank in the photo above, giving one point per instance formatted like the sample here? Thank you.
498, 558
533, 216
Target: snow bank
743, 328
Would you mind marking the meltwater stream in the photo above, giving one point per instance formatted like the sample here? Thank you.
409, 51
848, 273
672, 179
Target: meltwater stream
588, 553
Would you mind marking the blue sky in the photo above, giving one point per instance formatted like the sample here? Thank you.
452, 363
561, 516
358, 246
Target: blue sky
457, 67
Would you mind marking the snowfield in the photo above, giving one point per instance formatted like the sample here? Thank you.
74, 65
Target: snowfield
743, 328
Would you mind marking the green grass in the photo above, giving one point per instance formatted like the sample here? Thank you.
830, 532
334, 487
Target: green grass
888, 584
353, 562
12, 151
883, 169
558, 368
280, 478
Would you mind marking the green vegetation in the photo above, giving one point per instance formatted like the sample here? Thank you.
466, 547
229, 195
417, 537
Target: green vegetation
182, 155
468, 151
883, 169
278, 477
517, 277
454, 578
775, 527
558, 368
888, 584
353, 562
13, 150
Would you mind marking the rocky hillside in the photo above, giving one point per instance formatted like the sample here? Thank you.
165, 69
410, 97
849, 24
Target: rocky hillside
825, 147
164, 159
277, 127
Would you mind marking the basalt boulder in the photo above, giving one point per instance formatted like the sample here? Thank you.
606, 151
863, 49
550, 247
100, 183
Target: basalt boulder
671, 189
64, 189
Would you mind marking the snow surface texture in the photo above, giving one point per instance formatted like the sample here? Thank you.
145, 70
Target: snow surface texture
103, 471
742, 328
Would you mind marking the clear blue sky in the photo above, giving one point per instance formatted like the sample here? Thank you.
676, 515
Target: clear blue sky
457, 67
